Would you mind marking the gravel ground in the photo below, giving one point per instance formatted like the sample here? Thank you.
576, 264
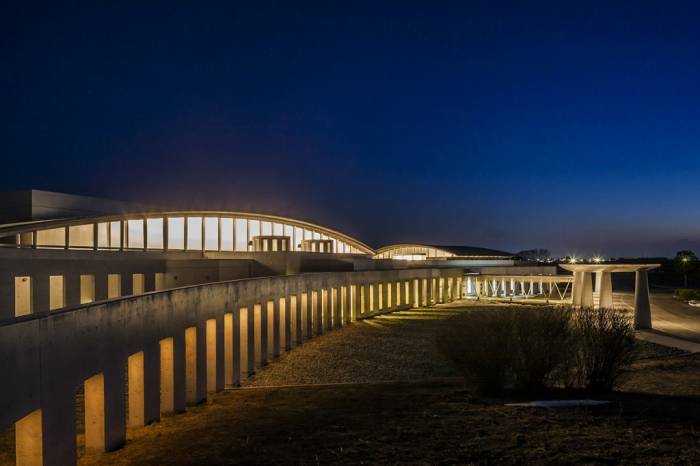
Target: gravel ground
392, 347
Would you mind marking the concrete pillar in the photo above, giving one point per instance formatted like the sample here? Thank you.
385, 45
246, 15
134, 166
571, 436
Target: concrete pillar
576, 289
40, 293
336, 304
375, 298
587, 289
642, 306
100, 286
307, 309
285, 305
604, 280
232, 360
58, 427
317, 304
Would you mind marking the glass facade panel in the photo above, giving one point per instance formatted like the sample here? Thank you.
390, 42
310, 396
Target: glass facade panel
226, 234
81, 236
277, 229
211, 233
154, 230
266, 228
103, 235
135, 234
241, 234
115, 234
55, 237
194, 233
176, 233
253, 230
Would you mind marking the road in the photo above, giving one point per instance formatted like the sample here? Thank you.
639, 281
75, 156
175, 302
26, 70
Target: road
669, 316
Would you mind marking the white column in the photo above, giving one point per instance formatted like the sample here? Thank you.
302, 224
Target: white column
576, 289
604, 287
587, 290
642, 307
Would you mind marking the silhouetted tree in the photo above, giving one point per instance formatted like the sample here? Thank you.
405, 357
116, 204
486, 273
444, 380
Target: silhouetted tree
685, 262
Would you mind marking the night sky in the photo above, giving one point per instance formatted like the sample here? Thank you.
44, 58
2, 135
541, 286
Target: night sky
572, 126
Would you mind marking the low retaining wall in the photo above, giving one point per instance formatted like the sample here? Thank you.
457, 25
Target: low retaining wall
174, 347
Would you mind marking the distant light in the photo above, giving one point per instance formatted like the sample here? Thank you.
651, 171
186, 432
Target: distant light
573, 260
597, 259
685, 259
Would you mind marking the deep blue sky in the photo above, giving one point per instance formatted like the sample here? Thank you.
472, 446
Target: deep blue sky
572, 126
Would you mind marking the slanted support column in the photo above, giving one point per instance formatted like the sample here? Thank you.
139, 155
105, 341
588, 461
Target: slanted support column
642, 307
604, 280
587, 290
577, 289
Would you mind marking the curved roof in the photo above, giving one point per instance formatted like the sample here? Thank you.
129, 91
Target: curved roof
34, 226
449, 251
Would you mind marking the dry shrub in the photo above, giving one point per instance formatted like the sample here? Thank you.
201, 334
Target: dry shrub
536, 347
604, 345
506, 347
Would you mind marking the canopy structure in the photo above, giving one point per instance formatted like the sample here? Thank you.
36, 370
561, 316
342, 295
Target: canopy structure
582, 293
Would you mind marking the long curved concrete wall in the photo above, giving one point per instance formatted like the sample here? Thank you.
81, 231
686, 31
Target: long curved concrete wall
174, 347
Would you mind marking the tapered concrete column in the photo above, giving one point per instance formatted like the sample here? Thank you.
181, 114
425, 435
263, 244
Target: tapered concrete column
576, 291
587, 290
541, 287
642, 307
604, 280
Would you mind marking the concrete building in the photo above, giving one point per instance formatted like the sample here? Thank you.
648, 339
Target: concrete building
182, 304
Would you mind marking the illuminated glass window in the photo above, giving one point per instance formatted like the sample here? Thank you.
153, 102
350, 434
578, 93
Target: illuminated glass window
254, 230
154, 230
55, 237
266, 228
115, 234
226, 234
298, 238
176, 233
211, 233
194, 233
135, 234
277, 229
241, 230
80, 236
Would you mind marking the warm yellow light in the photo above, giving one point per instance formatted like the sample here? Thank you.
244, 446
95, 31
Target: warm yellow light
573, 260
597, 259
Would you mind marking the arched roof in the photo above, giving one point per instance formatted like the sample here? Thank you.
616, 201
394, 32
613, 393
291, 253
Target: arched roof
316, 231
443, 251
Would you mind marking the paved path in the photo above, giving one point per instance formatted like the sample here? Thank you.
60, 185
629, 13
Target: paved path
669, 317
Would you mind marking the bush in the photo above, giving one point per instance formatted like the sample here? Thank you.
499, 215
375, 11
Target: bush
604, 345
507, 347
536, 347
687, 294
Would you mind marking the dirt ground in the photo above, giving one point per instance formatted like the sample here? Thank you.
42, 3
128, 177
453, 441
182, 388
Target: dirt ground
380, 394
